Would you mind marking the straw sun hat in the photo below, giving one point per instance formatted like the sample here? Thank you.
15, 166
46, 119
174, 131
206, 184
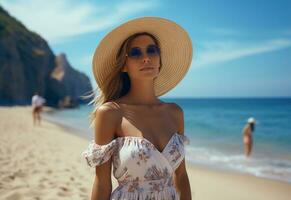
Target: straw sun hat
175, 45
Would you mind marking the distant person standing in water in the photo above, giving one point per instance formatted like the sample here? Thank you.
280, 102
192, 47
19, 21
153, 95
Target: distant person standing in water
248, 129
37, 103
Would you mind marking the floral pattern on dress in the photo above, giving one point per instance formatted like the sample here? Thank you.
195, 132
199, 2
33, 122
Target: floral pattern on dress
153, 173
142, 155
151, 177
134, 185
174, 152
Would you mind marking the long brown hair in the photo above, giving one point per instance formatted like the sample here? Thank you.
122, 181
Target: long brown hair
117, 83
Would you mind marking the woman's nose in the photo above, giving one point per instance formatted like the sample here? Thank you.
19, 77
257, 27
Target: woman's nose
146, 59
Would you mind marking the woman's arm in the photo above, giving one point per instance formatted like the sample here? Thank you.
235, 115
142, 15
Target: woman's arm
182, 182
181, 177
102, 186
107, 119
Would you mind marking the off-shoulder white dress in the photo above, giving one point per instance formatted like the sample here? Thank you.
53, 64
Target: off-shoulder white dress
142, 171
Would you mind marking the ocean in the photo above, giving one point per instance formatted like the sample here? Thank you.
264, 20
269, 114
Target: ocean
214, 127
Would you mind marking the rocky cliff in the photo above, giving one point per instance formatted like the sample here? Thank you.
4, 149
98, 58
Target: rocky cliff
28, 65
67, 83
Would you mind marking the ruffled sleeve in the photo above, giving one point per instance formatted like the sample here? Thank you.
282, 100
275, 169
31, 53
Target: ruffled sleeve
96, 154
185, 139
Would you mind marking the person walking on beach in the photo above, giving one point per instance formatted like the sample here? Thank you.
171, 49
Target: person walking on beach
136, 133
37, 103
248, 129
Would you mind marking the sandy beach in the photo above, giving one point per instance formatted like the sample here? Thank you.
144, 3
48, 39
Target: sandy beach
44, 162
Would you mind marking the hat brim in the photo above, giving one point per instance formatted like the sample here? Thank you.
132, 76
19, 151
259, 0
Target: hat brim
175, 45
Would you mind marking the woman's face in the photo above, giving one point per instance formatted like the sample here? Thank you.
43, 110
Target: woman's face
136, 66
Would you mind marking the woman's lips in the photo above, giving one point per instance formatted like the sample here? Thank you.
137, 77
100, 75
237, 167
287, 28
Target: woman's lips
147, 68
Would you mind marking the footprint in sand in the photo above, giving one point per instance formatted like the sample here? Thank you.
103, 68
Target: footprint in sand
14, 196
20, 174
44, 179
64, 191
41, 162
41, 186
83, 189
67, 170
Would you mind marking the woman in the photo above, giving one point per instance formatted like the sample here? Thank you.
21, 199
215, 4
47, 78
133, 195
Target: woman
37, 103
135, 132
247, 136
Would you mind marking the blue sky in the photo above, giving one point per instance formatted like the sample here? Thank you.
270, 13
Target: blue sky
241, 48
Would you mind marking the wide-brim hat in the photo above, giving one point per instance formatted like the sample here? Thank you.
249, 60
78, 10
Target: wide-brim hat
251, 120
175, 45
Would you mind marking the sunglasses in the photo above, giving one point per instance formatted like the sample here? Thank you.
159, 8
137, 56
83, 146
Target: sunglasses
151, 51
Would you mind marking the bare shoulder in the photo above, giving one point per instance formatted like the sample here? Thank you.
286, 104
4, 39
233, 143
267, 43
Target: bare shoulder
109, 107
107, 119
108, 111
175, 108
178, 114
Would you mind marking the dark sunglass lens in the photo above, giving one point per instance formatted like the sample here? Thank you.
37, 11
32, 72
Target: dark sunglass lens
152, 50
135, 53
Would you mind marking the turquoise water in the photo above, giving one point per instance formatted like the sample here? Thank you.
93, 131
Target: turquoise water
214, 127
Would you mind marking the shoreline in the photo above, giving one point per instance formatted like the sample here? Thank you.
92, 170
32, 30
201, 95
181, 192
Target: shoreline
200, 172
44, 162
82, 134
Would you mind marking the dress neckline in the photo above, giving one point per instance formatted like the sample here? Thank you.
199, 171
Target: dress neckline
145, 139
